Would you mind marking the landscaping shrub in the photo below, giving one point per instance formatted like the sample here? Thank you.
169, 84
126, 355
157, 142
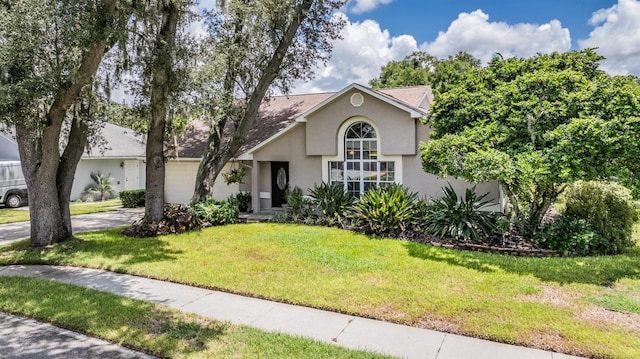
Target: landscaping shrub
331, 199
609, 209
460, 218
133, 198
215, 212
572, 236
299, 207
386, 210
176, 219
100, 188
243, 200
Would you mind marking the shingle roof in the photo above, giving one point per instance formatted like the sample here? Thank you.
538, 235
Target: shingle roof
118, 142
281, 111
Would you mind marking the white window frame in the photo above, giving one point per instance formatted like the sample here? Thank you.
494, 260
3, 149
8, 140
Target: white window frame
340, 156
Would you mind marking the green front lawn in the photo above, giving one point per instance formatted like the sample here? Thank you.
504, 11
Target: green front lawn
153, 328
562, 304
12, 215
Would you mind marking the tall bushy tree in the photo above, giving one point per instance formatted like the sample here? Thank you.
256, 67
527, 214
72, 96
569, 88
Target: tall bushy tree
421, 68
49, 55
157, 54
535, 125
255, 45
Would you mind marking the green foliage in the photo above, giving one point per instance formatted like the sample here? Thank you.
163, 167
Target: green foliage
235, 175
460, 218
215, 212
609, 209
299, 207
176, 219
242, 200
535, 125
420, 68
386, 210
101, 188
133, 198
572, 236
331, 199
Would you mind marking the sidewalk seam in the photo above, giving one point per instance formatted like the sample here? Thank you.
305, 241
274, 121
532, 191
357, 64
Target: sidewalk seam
335, 340
441, 344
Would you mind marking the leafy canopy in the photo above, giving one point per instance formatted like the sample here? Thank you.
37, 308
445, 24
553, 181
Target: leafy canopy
534, 125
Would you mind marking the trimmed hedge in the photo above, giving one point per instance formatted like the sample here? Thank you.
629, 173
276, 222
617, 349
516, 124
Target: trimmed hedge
133, 198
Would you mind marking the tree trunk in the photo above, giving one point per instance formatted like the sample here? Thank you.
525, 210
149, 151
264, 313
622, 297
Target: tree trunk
49, 177
161, 82
219, 154
66, 172
39, 157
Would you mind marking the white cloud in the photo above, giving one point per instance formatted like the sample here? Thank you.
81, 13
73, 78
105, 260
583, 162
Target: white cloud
475, 34
360, 6
358, 57
617, 37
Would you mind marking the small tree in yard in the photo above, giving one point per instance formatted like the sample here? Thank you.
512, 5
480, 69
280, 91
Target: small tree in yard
535, 125
101, 186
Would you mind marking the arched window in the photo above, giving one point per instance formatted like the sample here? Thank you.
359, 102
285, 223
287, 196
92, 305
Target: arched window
361, 170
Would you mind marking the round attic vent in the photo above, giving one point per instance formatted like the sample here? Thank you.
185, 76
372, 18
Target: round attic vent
357, 99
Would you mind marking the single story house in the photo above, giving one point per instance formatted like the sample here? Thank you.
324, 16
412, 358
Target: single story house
120, 153
358, 137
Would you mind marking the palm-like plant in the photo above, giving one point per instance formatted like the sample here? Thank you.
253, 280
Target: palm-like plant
461, 218
101, 186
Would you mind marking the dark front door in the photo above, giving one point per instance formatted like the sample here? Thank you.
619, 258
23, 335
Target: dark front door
279, 183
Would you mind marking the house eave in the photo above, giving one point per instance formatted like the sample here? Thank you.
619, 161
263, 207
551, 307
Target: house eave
413, 113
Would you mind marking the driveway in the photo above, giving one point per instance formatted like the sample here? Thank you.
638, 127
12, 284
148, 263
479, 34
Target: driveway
82, 223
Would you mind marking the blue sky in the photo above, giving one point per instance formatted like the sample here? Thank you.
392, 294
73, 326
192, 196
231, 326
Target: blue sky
425, 18
379, 31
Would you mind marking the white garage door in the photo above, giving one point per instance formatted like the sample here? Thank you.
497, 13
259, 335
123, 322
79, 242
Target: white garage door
180, 179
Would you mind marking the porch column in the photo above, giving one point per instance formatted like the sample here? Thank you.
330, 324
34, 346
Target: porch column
255, 190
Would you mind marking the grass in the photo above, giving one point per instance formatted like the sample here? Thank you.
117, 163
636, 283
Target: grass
153, 328
12, 215
560, 304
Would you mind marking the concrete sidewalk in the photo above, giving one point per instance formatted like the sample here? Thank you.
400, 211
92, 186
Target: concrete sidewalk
29, 339
81, 223
344, 330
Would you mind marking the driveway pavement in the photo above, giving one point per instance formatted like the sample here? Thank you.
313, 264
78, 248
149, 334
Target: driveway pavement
82, 223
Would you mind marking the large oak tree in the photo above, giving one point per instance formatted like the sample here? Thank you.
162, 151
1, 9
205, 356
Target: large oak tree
49, 54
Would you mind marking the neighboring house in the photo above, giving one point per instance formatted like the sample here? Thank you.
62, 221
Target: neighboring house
120, 152
358, 137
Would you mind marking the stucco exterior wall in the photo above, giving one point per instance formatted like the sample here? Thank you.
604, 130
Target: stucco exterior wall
430, 186
397, 131
106, 166
304, 171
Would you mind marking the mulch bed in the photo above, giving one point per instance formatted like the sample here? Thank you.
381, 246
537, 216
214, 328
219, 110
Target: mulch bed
510, 244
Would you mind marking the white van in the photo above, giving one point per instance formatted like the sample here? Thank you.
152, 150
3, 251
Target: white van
13, 188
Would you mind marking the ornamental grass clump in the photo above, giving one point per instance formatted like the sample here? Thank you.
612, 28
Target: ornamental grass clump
332, 200
464, 218
387, 210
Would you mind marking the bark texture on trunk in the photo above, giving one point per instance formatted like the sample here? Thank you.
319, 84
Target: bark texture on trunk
48, 175
161, 82
217, 153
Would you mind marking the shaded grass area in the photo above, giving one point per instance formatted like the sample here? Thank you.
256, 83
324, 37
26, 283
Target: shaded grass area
549, 303
152, 328
12, 215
